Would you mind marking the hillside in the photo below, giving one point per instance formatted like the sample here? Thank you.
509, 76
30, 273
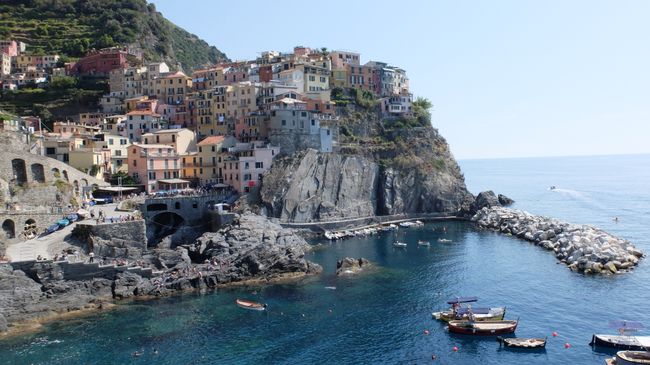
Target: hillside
72, 27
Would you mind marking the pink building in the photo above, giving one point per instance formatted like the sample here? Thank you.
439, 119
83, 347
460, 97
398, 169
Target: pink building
9, 47
247, 162
100, 63
157, 166
341, 59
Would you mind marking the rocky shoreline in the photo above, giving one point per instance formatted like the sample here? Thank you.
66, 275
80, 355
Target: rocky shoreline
582, 248
252, 251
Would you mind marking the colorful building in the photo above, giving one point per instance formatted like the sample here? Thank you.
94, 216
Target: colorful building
156, 166
206, 165
171, 88
99, 63
246, 164
139, 122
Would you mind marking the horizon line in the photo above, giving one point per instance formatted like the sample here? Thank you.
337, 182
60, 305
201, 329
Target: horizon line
554, 156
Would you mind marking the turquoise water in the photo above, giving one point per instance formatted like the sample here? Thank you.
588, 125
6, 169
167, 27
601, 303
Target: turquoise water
379, 317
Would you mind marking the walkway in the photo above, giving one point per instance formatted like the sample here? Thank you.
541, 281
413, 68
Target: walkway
45, 246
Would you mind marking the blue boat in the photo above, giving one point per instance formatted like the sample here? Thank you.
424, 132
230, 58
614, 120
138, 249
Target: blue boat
73, 217
63, 222
53, 228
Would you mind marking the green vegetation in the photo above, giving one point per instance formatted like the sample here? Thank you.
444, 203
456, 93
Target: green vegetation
127, 180
61, 185
73, 27
68, 94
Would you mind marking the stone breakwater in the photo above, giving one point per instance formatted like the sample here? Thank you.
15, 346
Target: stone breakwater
582, 247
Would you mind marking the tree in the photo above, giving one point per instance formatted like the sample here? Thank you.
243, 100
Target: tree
127, 180
63, 82
421, 111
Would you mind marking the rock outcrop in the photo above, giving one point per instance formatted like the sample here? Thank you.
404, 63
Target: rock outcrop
402, 178
350, 266
583, 248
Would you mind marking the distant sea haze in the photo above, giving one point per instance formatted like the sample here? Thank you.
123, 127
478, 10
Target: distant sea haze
380, 317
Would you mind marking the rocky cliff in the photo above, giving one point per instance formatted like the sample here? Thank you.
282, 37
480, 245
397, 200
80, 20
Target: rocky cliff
379, 169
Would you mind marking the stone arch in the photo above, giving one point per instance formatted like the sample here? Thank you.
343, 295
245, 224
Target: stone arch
20, 170
65, 175
84, 182
165, 224
9, 228
56, 172
76, 187
38, 173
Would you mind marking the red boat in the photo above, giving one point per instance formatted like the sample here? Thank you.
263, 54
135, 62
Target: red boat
491, 328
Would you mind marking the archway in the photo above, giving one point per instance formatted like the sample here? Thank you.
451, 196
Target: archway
20, 171
164, 224
76, 187
30, 228
84, 182
65, 175
9, 228
38, 174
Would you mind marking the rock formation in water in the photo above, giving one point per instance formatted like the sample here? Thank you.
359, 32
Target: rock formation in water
350, 266
252, 249
387, 171
583, 248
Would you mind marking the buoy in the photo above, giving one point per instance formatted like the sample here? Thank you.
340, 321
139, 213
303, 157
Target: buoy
426, 332
554, 334
303, 314
455, 349
433, 357
567, 345
329, 310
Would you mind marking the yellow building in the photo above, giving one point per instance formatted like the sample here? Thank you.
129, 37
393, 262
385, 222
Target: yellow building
172, 88
339, 78
182, 139
241, 99
93, 161
211, 152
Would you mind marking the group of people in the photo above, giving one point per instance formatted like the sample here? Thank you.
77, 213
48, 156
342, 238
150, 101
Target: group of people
67, 255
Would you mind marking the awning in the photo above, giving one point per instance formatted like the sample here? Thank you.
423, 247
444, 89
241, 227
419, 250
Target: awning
116, 189
173, 181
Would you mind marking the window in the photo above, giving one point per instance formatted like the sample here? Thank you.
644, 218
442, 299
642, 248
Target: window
152, 175
259, 165
284, 122
122, 141
313, 122
247, 177
213, 150
118, 153
110, 141
135, 163
200, 149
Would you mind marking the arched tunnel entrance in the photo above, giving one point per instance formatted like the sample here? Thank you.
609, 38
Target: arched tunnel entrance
163, 225
9, 228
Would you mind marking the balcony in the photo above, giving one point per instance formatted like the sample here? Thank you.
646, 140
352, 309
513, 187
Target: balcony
158, 155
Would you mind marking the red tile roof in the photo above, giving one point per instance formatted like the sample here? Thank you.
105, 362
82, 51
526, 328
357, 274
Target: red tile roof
211, 140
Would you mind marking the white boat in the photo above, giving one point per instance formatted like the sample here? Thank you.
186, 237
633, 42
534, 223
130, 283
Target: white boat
418, 223
329, 235
443, 240
399, 244
407, 224
424, 243
632, 358
248, 304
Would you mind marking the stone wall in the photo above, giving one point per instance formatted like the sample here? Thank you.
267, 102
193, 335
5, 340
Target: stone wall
47, 271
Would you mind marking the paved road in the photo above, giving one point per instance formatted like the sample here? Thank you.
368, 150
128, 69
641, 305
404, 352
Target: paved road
46, 246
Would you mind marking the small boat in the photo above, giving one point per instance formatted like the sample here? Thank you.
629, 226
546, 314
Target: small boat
552, 187
523, 343
632, 358
443, 240
407, 224
492, 328
480, 314
248, 304
63, 222
621, 342
330, 287
72, 217
399, 244
53, 228
423, 243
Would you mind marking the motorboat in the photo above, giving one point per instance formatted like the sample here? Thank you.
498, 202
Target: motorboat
423, 243
621, 342
53, 228
522, 343
491, 328
444, 240
480, 314
63, 222
399, 244
248, 304
72, 217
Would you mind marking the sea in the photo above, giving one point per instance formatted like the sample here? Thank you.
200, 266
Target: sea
383, 316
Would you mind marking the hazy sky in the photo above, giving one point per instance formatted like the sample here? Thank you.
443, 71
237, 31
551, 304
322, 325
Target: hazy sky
507, 78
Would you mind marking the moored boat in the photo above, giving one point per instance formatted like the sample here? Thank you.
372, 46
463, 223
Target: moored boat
248, 304
423, 243
523, 343
399, 244
621, 342
63, 222
72, 217
492, 328
632, 358
443, 240
480, 314
53, 228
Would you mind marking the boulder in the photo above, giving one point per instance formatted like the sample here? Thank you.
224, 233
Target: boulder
349, 266
504, 200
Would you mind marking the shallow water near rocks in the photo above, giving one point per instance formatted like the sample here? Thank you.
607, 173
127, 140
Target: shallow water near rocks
380, 317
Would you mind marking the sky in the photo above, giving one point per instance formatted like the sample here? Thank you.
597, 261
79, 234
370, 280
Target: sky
507, 78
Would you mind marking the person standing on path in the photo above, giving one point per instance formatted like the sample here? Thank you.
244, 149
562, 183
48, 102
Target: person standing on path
92, 257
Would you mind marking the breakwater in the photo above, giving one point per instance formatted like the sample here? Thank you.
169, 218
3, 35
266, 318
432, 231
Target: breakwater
582, 247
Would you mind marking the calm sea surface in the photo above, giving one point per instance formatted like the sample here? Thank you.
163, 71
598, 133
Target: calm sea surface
380, 317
